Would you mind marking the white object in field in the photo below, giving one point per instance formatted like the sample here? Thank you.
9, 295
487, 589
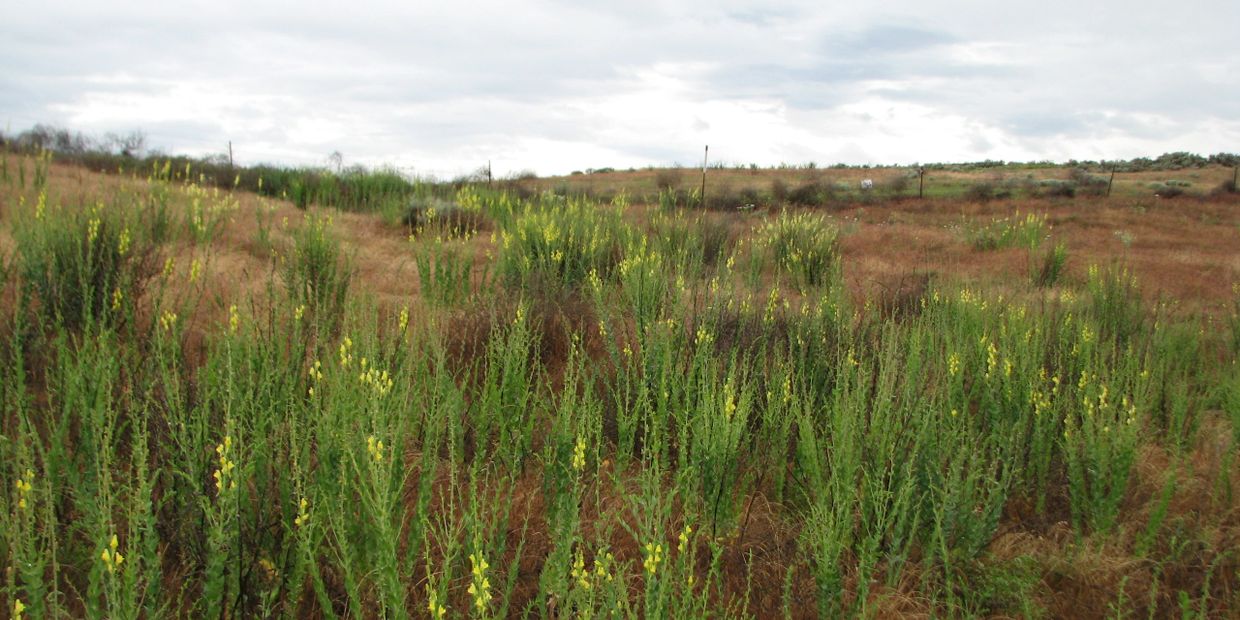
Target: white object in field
867, 184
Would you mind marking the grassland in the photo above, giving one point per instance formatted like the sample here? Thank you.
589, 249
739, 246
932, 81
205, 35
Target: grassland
507, 403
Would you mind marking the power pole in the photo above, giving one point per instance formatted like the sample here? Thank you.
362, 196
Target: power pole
705, 157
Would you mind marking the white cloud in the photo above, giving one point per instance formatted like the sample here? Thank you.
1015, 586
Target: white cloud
557, 86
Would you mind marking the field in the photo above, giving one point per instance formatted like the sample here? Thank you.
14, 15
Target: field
583, 397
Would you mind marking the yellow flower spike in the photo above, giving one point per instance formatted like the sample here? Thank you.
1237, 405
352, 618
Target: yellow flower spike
234, 319
579, 455
298, 312
432, 605
113, 543
169, 265
18, 609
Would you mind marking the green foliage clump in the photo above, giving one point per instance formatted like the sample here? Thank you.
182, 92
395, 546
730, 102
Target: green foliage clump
1015, 231
561, 243
803, 246
315, 274
83, 266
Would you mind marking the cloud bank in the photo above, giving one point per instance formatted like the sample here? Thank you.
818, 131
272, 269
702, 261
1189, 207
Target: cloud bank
439, 88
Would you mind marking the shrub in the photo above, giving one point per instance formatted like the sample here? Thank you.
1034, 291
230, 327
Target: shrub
984, 191
1089, 184
779, 191
899, 184
1164, 190
668, 178
1055, 188
808, 194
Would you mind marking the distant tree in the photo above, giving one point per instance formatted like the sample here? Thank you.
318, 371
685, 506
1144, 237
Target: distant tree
132, 144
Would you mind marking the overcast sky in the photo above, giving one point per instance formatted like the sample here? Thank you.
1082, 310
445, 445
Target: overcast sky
440, 88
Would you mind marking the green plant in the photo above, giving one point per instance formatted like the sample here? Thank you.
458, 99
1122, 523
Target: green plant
315, 275
1052, 267
1014, 231
803, 246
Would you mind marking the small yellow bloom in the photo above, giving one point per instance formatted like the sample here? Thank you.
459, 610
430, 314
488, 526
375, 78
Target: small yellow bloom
168, 320
654, 555
579, 455
684, 538
375, 448
18, 609
234, 319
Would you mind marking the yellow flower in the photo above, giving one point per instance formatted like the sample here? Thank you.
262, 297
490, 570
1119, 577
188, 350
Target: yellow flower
404, 318
303, 514
18, 608
480, 587
375, 448
654, 555
437, 610
298, 312
168, 320
111, 557
234, 319
684, 538
123, 246
579, 455
117, 297
23, 488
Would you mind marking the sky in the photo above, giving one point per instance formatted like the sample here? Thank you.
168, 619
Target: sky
441, 88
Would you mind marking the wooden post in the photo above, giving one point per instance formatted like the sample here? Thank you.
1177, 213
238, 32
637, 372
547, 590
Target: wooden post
921, 182
705, 157
230, 159
1235, 176
1111, 181
488, 174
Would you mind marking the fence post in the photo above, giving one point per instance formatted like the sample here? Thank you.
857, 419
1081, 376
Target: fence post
1111, 181
705, 157
921, 182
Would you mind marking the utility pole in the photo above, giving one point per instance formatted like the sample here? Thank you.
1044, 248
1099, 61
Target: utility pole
705, 157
